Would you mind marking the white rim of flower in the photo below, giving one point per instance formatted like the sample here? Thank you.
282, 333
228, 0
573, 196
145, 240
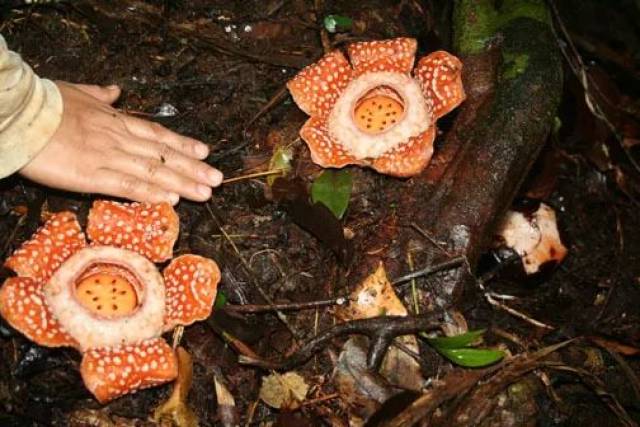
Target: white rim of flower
91, 330
417, 116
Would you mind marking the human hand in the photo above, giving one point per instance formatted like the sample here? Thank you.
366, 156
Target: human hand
97, 149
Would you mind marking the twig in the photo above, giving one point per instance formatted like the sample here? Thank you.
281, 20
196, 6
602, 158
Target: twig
320, 399
177, 336
380, 330
599, 389
579, 70
516, 313
238, 345
492, 298
430, 238
279, 96
414, 290
260, 308
628, 371
253, 175
254, 280
445, 265
459, 384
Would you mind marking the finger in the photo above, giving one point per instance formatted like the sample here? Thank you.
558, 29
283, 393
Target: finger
118, 184
152, 170
156, 132
187, 166
106, 94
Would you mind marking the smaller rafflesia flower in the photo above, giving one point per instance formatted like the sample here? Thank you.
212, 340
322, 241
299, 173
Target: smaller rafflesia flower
108, 300
372, 111
534, 236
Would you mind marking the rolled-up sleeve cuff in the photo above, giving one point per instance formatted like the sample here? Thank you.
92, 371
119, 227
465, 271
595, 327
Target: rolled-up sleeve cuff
30, 112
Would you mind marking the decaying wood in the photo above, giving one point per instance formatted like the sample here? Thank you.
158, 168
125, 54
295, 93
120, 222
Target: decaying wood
514, 85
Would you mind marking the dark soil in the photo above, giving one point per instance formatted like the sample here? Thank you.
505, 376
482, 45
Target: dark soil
219, 63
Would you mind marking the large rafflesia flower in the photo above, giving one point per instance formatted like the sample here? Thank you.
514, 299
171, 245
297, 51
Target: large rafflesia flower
372, 111
108, 299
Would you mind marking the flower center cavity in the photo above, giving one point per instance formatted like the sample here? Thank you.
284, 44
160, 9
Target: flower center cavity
378, 110
107, 292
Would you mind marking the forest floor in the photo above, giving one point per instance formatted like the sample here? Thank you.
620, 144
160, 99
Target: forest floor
219, 64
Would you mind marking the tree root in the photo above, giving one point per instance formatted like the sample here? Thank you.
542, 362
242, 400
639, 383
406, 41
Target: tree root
380, 330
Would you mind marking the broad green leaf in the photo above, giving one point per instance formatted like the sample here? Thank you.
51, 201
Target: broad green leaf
281, 159
337, 23
333, 189
221, 300
472, 357
458, 341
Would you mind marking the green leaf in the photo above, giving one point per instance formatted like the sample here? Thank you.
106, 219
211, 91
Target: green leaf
458, 341
472, 357
337, 23
221, 300
333, 189
281, 159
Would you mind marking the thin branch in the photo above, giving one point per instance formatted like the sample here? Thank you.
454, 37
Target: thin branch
253, 175
581, 74
380, 330
261, 308
445, 265
254, 279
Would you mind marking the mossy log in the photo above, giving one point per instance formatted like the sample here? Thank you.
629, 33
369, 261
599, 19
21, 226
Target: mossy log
513, 77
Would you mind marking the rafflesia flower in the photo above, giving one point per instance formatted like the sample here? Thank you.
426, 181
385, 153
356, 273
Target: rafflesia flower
372, 111
108, 299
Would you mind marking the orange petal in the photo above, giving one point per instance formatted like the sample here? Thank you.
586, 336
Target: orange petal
317, 87
191, 282
111, 372
58, 239
24, 307
440, 75
381, 64
325, 151
149, 229
409, 158
385, 55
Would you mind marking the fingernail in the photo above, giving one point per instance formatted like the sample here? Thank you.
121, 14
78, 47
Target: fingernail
174, 198
214, 177
202, 150
203, 190
112, 87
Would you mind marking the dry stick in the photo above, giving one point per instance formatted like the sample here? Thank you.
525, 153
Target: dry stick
598, 387
320, 399
515, 313
491, 298
627, 370
253, 175
260, 308
254, 280
579, 70
445, 265
177, 336
279, 96
430, 238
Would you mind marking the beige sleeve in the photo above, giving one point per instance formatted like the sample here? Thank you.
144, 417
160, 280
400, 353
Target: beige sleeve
30, 111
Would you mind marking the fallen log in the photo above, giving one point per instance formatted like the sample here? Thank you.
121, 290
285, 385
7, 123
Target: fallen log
513, 77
